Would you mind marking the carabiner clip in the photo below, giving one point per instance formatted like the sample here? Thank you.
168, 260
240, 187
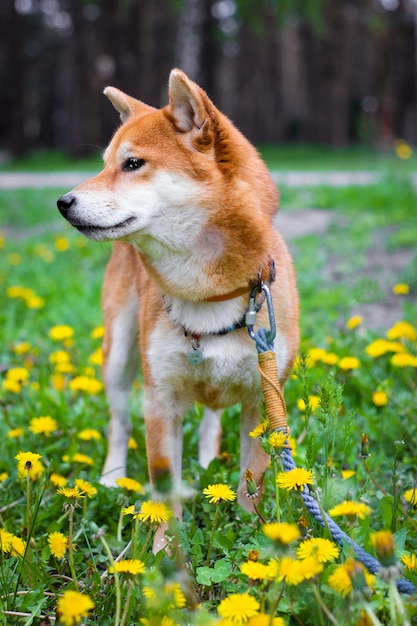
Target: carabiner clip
251, 313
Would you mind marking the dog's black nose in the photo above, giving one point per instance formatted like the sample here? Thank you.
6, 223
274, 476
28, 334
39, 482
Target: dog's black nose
65, 202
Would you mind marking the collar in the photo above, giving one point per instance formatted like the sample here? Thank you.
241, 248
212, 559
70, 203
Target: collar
266, 275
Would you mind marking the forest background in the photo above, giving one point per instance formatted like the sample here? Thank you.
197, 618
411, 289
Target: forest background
333, 72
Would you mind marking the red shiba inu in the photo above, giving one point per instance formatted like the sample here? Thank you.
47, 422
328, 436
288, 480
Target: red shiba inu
189, 204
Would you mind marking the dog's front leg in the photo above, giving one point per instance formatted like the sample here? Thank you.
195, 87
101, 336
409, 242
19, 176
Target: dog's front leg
120, 366
164, 452
252, 456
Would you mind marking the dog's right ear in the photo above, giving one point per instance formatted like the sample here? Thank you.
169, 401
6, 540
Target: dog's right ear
126, 105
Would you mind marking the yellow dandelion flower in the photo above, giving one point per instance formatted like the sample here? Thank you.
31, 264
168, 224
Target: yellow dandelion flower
380, 398
403, 150
346, 474
12, 386
128, 566
259, 430
329, 358
88, 434
22, 348
254, 570
3, 477
410, 562
15, 291
130, 510
5, 541
61, 244
35, 302
281, 532
73, 606
177, 593
295, 479
18, 374
98, 332
10, 544
402, 330
351, 508
354, 322
323, 550
314, 355
219, 493
383, 542
96, 358
64, 368
411, 496
29, 462
377, 348
58, 357
85, 383
132, 445
61, 332
277, 439
18, 546
78, 457
401, 289
130, 484
58, 382
71, 493
238, 607
58, 544
57, 480
149, 593
44, 425
154, 512
86, 487
349, 363
15, 433
313, 403
403, 359
350, 576
290, 571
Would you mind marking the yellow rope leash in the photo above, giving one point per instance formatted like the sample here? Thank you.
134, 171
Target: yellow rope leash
276, 409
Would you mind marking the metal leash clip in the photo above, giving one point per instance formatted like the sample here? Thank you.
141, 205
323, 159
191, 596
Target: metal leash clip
250, 317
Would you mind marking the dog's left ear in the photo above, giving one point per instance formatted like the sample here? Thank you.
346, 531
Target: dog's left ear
126, 105
186, 100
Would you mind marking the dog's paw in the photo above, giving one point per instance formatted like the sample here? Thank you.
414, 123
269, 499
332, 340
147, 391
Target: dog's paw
108, 479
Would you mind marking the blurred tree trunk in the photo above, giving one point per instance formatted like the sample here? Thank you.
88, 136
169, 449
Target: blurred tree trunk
258, 106
12, 38
326, 59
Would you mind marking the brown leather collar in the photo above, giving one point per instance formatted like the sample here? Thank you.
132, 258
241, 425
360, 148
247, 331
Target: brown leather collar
266, 275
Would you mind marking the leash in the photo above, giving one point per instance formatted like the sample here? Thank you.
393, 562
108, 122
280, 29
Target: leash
277, 416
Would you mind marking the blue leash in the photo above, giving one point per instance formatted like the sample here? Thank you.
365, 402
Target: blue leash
264, 340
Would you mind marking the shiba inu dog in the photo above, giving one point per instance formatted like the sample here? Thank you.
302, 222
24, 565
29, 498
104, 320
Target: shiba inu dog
189, 204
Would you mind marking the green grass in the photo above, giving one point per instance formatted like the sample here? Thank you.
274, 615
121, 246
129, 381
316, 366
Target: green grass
66, 271
310, 157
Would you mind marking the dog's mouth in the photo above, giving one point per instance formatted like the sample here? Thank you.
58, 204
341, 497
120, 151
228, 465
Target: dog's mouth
94, 230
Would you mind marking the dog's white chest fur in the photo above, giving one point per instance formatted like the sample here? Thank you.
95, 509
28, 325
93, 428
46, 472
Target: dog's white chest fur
227, 374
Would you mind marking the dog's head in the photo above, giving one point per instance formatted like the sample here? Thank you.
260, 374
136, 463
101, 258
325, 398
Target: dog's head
170, 173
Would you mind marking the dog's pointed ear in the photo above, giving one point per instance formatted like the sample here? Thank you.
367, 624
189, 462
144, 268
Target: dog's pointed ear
186, 100
126, 105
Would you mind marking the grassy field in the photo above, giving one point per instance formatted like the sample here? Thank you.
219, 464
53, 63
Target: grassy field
352, 404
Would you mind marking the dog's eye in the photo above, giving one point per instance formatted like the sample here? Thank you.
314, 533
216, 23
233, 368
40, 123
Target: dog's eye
132, 164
